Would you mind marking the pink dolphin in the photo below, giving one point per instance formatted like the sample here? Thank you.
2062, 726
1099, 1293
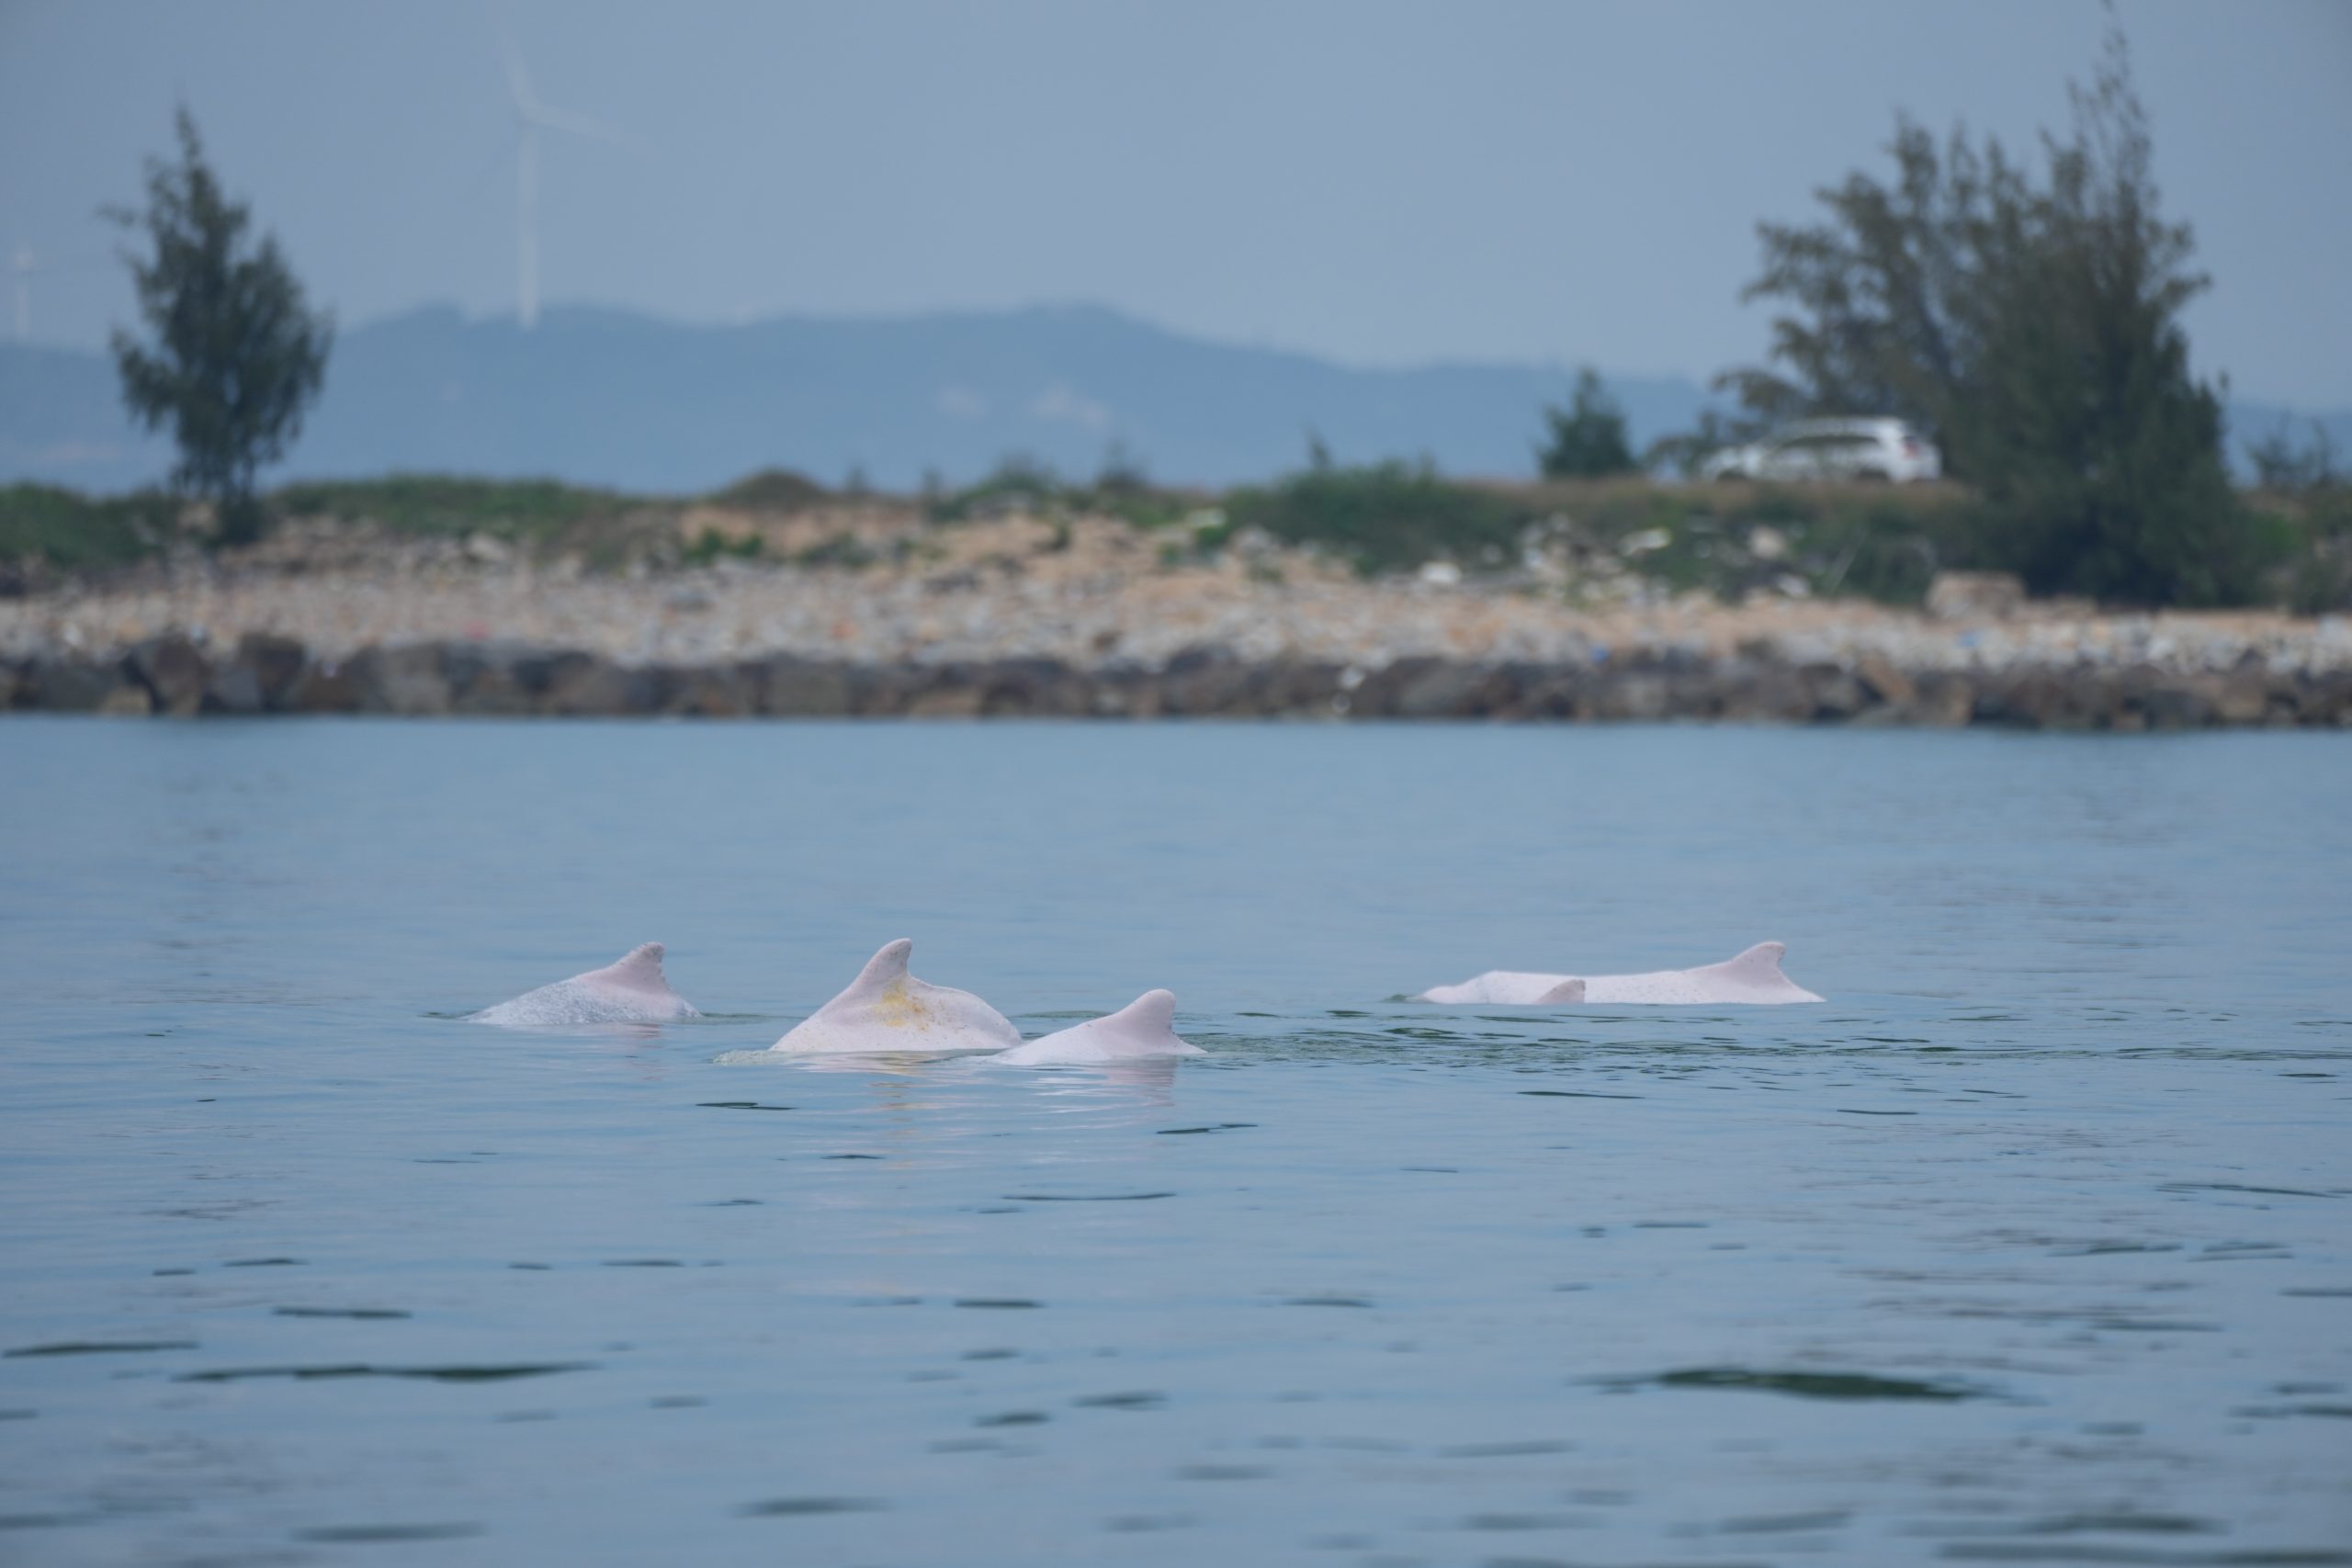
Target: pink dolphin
887, 1011
632, 990
1143, 1029
1752, 977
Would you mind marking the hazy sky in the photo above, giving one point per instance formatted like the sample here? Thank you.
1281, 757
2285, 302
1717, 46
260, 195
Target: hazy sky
1381, 183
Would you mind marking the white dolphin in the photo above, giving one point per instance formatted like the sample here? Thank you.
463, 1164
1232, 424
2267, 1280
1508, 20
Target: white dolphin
1144, 1029
886, 1012
1754, 977
630, 990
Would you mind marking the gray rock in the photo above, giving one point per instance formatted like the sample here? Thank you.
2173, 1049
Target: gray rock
128, 701
407, 679
791, 687
1044, 688
582, 685
276, 663
1947, 699
1419, 688
1544, 690
1629, 692
324, 686
1202, 681
1882, 680
1123, 692
1836, 693
234, 689
495, 678
2181, 703
65, 685
949, 691
1766, 692
719, 690
1294, 688
649, 688
172, 670
885, 690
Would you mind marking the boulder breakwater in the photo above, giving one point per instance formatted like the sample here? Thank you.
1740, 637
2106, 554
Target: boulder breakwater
267, 674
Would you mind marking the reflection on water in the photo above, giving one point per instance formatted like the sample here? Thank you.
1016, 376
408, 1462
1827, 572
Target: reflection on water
2032, 1246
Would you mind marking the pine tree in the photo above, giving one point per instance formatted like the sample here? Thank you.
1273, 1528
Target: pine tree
2033, 327
235, 355
1588, 438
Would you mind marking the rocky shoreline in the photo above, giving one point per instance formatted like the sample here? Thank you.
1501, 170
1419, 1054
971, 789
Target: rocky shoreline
1021, 618
262, 674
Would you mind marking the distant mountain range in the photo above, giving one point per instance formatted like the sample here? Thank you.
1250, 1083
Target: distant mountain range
613, 398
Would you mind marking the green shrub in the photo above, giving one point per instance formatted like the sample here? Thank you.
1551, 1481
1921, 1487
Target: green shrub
1587, 438
1388, 517
2311, 537
72, 532
711, 545
773, 489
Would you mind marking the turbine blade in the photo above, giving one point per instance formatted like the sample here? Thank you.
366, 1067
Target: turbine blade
518, 76
576, 124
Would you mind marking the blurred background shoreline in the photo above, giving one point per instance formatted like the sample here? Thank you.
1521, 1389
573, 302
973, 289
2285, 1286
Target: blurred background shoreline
1972, 471
1027, 597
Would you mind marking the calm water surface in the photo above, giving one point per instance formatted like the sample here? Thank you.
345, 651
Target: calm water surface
2034, 1245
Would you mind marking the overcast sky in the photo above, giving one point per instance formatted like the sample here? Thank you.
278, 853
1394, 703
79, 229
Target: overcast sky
1377, 182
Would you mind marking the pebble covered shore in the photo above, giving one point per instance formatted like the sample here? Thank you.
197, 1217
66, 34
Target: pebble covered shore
1005, 624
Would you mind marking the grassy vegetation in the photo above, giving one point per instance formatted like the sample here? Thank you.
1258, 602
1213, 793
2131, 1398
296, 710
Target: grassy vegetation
522, 510
1389, 517
1871, 541
1874, 541
71, 532
1879, 542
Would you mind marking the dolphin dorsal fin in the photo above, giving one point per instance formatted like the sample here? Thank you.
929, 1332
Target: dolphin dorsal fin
1151, 1014
1759, 966
641, 966
885, 968
1570, 990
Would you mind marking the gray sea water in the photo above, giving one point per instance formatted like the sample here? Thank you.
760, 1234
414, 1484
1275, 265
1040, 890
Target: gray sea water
2032, 1245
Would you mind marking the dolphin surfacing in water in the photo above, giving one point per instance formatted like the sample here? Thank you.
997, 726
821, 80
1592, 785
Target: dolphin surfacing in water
1753, 977
1142, 1030
886, 1012
628, 990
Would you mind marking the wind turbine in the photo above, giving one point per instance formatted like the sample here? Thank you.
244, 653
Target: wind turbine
531, 116
24, 263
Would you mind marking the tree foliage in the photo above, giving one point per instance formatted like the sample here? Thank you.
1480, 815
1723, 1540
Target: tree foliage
2031, 321
1587, 438
234, 356
1683, 451
2283, 466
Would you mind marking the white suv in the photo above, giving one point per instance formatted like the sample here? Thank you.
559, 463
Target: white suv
1831, 449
